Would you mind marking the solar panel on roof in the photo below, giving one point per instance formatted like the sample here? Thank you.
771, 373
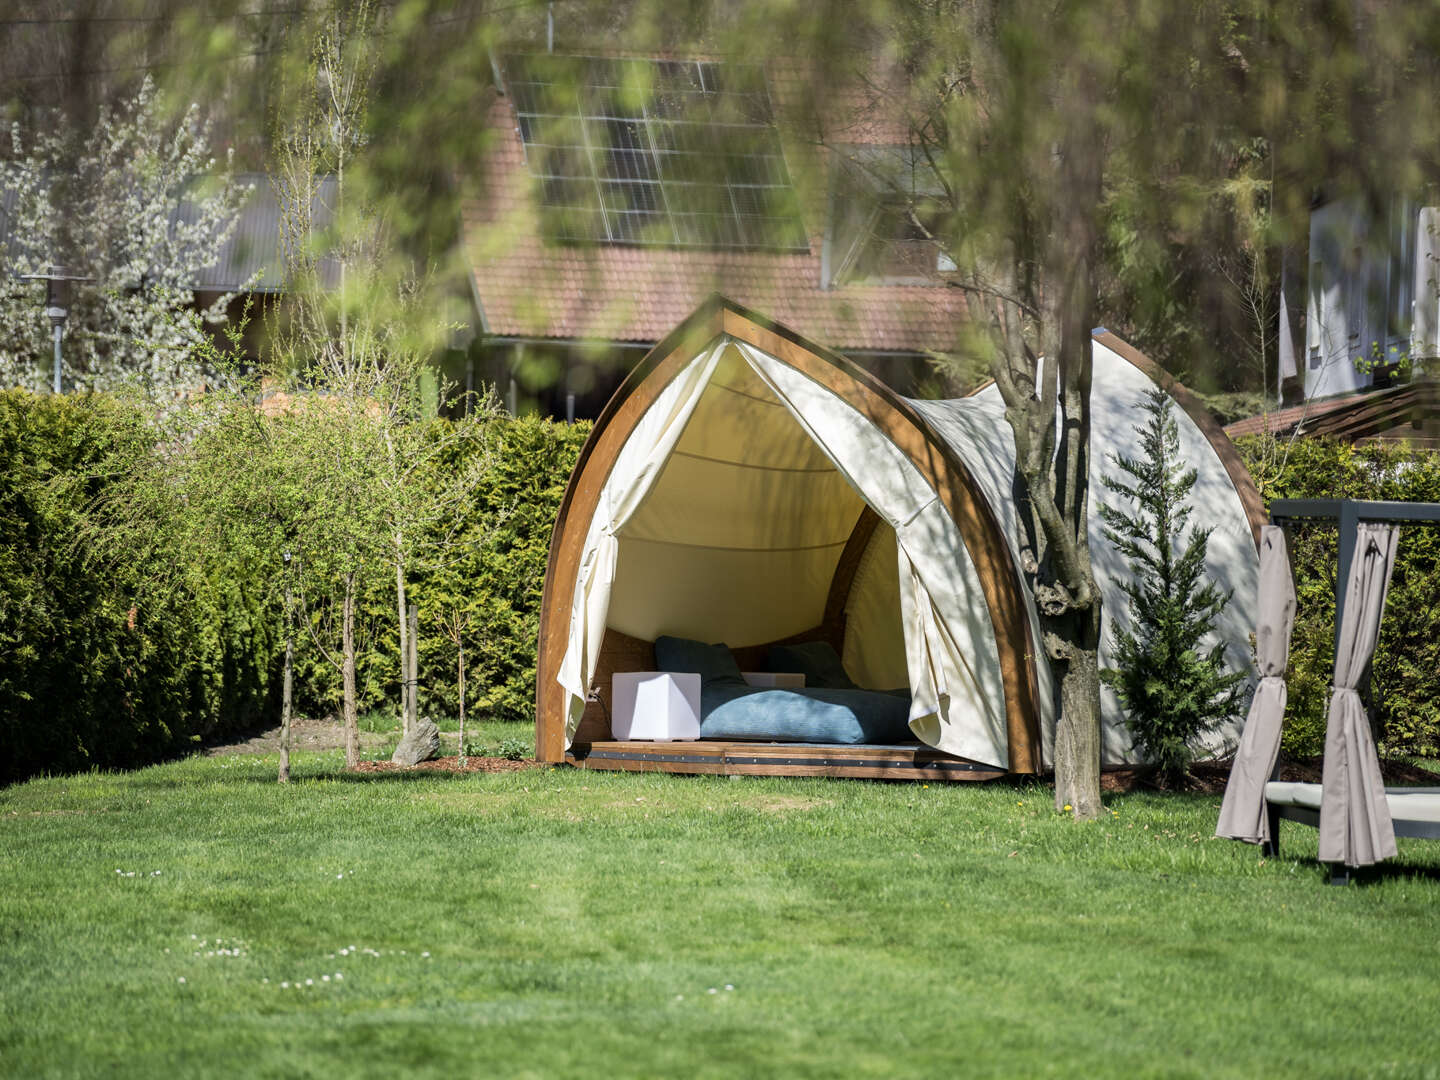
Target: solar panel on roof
655, 152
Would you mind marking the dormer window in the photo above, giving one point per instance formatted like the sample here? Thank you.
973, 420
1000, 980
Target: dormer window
887, 213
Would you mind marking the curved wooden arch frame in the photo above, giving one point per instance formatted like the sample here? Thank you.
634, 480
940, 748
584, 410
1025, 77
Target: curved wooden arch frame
1195, 409
938, 464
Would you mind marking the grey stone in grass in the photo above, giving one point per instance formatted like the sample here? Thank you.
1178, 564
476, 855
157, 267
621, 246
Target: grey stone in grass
422, 744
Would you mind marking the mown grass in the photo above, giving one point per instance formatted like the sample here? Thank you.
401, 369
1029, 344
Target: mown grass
576, 925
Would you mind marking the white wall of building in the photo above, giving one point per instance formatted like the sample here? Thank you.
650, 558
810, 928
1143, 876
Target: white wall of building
1361, 284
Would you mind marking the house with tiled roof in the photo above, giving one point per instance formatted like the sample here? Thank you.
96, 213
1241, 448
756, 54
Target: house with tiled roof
620, 192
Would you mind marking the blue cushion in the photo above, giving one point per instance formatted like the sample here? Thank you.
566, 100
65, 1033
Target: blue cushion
817, 660
820, 716
713, 663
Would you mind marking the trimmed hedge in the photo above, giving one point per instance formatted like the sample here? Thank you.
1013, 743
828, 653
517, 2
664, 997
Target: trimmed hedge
1406, 677
495, 580
90, 675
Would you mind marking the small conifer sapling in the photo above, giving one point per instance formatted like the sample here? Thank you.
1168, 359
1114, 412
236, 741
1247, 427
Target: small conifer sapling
1173, 687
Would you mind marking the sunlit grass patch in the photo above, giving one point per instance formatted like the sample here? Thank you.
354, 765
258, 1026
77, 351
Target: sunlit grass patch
555, 922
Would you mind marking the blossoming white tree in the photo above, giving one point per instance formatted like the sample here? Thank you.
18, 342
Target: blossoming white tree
137, 203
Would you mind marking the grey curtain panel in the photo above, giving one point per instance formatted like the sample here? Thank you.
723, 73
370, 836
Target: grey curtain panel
1355, 826
1242, 814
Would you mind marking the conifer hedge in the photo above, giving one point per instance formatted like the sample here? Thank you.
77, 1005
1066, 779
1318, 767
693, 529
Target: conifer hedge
96, 668
1406, 680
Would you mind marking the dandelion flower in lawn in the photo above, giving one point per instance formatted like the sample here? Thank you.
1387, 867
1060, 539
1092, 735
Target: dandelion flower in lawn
1067, 807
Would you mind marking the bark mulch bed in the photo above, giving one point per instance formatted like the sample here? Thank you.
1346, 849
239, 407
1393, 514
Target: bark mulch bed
1208, 778
452, 764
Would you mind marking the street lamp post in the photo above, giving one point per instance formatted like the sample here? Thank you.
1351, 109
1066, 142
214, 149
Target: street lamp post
57, 305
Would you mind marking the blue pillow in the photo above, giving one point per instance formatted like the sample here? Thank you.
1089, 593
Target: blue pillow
819, 662
713, 663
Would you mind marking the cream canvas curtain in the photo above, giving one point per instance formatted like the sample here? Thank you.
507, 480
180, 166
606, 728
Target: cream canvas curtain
1242, 814
957, 696
636, 468
1355, 825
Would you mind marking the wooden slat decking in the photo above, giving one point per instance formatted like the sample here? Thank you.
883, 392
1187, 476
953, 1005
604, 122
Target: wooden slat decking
912, 761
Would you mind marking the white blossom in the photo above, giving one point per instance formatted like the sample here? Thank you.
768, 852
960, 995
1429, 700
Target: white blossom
140, 208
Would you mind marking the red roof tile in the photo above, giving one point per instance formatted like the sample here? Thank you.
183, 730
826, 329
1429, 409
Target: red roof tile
1283, 421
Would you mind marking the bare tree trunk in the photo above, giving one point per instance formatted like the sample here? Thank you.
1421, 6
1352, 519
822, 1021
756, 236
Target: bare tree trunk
1077, 730
347, 673
1044, 373
461, 648
412, 685
287, 684
400, 607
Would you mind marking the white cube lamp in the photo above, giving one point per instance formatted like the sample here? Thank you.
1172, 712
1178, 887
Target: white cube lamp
660, 706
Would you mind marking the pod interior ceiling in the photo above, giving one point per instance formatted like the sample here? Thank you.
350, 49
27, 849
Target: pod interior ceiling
747, 486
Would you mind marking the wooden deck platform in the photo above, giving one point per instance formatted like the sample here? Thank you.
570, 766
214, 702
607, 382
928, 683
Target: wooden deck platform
908, 761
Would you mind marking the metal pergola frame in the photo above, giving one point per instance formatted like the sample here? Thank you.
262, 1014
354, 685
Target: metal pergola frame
1347, 514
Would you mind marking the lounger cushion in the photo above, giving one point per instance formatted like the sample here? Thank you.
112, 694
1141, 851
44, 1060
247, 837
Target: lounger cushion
848, 717
713, 663
1406, 804
817, 660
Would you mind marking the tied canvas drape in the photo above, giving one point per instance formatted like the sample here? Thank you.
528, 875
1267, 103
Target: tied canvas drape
1242, 814
1355, 825
632, 476
957, 697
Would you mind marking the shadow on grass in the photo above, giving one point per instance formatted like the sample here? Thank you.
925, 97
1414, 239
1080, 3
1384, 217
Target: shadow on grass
1393, 870
1386, 871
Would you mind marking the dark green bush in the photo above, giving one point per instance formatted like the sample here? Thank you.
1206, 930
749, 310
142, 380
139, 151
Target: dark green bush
1406, 680
96, 667
494, 578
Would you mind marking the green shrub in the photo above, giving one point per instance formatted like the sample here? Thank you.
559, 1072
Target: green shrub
1406, 679
96, 669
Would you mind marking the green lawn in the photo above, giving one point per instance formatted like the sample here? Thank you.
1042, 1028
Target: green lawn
563, 923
